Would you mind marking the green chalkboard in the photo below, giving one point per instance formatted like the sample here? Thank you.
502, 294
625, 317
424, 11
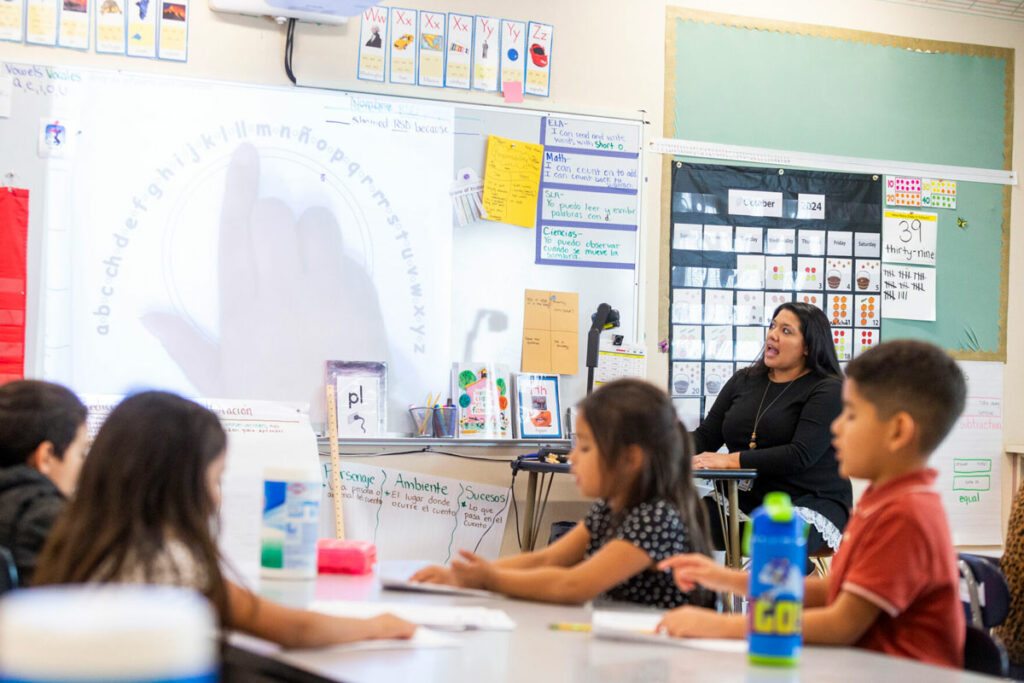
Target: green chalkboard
815, 89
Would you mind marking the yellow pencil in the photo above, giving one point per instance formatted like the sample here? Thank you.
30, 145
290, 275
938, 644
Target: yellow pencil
569, 626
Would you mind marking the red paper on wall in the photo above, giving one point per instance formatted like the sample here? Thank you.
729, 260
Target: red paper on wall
13, 259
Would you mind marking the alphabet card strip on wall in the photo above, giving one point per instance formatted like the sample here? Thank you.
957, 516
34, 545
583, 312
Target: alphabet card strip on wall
513, 52
431, 49
41, 22
538, 66
372, 44
12, 15
142, 29
459, 55
486, 49
73, 24
404, 41
112, 27
173, 23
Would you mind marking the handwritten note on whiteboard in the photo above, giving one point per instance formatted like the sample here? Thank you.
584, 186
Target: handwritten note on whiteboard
908, 292
512, 181
969, 460
551, 332
415, 516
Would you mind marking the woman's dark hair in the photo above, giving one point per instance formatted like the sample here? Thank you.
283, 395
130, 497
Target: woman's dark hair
143, 485
33, 412
631, 412
817, 333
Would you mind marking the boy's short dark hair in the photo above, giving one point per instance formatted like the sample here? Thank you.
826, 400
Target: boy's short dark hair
31, 412
914, 377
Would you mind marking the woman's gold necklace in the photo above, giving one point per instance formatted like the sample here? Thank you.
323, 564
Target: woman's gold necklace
757, 417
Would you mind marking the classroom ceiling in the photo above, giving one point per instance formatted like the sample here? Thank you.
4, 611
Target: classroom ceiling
1012, 10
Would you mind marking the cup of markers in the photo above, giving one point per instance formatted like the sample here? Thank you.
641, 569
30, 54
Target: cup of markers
432, 419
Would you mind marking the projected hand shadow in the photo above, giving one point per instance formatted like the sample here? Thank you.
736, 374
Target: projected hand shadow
289, 296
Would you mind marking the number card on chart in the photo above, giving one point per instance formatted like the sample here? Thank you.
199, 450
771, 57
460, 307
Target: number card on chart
909, 237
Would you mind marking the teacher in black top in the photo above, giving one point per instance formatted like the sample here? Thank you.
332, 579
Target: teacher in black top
775, 415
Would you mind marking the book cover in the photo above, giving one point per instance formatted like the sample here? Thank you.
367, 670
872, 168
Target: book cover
538, 413
361, 390
481, 391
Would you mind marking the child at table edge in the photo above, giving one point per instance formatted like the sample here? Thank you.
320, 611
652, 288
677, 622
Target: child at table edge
894, 584
144, 510
633, 455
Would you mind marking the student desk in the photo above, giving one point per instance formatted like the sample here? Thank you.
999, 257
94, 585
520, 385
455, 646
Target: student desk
536, 654
535, 497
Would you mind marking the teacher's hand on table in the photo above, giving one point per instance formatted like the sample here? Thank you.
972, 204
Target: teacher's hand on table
472, 571
434, 574
716, 461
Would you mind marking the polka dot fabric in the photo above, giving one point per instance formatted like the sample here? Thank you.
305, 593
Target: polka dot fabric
658, 530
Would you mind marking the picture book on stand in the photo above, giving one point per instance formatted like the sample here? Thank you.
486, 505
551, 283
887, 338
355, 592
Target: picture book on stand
482, 392
538, 413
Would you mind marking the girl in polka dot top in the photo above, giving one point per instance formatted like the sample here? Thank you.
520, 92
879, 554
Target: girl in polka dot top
632, 454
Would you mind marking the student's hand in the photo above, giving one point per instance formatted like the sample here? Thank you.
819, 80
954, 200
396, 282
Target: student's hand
472, 571
287, 295
716, 461
388, 626
698, 622
434, 574
695, 569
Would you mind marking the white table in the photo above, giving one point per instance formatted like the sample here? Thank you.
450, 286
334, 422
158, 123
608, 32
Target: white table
536, 654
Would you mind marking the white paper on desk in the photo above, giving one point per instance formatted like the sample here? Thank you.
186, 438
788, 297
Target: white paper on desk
442, 617
640, 627
419, 587
423, 638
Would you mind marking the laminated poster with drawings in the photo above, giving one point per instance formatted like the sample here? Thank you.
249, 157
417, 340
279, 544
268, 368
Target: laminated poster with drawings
482, 393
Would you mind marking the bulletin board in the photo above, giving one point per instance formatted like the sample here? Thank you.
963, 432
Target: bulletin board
223, 240
823, 90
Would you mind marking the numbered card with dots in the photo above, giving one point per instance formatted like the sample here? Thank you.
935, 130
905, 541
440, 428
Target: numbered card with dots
686, 306
686, 380
867, 276
902, 191
718, 306
686, 341
843, 343
749, 342
749, 308
840, 309
715, 377
868, 311
813, 299
939, 194
838, 274
810, 273
773, 300
865, 340
778, 272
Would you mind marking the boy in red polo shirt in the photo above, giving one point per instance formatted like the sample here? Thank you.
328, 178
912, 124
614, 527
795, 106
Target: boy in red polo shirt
894, 583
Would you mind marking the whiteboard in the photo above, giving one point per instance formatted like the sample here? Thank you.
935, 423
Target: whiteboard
223, 240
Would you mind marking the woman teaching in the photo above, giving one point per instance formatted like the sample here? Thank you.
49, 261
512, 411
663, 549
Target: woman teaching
775, 415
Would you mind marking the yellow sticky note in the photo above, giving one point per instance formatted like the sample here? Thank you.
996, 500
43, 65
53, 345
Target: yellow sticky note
512, 181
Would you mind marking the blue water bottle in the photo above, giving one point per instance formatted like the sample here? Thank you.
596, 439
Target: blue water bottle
776, 541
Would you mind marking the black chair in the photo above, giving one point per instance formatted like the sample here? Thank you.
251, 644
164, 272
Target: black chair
986, 604
8, 571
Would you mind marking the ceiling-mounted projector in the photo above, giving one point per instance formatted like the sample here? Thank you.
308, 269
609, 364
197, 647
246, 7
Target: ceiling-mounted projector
321, 11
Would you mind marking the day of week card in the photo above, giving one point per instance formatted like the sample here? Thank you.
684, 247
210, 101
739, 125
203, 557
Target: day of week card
112, 27
73, 24
173, 43
717, 238
780, 241
431, 50
811, 242
41, 23
486, 49
404, 41
748, 240
459, 55
11, 13
372, 47
867, 245
142, 28
687, 236
513, 53
839, 243
538, 66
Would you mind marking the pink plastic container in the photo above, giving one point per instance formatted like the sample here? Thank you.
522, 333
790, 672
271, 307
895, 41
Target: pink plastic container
334, 556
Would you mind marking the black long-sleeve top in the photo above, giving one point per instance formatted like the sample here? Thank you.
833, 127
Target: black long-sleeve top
794, 444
